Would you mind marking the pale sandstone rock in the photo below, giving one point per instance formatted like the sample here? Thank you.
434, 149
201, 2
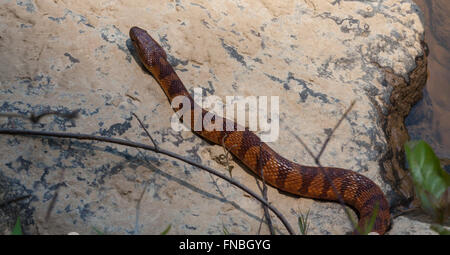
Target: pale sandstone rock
317, 56
411, 226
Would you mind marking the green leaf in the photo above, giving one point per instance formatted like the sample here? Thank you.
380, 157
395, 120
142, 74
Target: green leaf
166, 230
98, 231
303, 223
430, 180
225, 230
17, 230
440, 229
371, 223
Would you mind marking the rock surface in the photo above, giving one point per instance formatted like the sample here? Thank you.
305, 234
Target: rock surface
317, 56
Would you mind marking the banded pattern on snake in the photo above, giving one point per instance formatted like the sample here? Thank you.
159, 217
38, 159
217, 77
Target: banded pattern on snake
355, 189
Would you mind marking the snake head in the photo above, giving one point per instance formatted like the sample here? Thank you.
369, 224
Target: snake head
147, 48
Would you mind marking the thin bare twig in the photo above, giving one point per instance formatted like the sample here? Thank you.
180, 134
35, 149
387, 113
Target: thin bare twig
138, 209
227, 152
263, 189
152, 148
317, 161
55, 197
34, 118
332, 132
13, 200
405, 211
264, 192
340, 200
51, 206
146, 131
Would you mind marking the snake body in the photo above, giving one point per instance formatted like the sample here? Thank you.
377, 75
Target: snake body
356, 190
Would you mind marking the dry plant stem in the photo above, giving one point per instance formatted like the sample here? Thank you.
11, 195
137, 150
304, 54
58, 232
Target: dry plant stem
51, 206
317, 161
332, 132
227, 152
13, 200
152, 148
146, 131
340, 200
55, 197
405, 211
264, 193
138, 208
34, 118
263, 189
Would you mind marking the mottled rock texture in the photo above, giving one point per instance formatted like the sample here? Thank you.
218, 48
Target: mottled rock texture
317, 56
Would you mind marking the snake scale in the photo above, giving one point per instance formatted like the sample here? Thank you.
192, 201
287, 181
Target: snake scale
356, 190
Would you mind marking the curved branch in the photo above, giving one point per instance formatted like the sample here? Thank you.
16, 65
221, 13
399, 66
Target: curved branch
157, 150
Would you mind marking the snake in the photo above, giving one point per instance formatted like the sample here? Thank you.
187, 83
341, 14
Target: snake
323, 183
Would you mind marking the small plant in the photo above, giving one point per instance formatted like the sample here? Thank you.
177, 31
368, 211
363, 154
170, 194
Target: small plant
431, 182
17, 230
303, 223
225, 230
98, 231
166, 230
440, 229
368, 226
